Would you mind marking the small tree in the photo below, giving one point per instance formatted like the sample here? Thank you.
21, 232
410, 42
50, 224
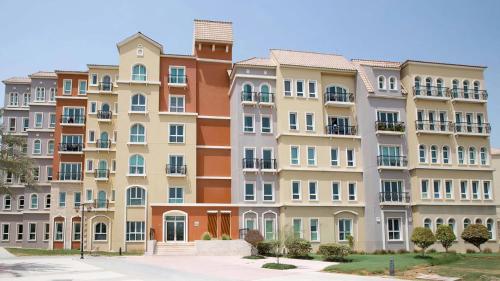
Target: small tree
423, 238
476, 234
253, 237
445, 236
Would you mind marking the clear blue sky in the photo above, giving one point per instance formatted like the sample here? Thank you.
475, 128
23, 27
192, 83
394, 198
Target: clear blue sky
48, 35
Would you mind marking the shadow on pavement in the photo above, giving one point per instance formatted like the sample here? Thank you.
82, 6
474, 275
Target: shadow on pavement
16, 269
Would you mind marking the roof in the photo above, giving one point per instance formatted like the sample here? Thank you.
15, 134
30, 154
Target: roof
265, 62
43, 74
213, 31
103, 66
442, 63
77, 72
379, 63
17, 80
312, 59
495, 151
364, 78
139, 35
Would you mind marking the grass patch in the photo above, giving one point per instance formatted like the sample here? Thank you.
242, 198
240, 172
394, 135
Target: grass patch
23, 252
278, 266
254, 257
471, 267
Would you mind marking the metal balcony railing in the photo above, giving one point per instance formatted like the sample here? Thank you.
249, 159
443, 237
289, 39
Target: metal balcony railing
469, 94
392, 161
73, 119
436, 126
394, 197
106, 144
175, 169
177, 79
390, 126
338, 97
250, 163
105, 115
472, 128
69, 176
340, 130
101, 203
71, 147
431, 91
248, 96
106, 86
101, 173
267, 164
265, 97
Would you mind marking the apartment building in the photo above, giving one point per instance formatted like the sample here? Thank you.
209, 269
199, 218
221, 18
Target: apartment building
448, 147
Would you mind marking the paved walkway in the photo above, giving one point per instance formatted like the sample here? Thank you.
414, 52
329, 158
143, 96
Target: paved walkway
4, 254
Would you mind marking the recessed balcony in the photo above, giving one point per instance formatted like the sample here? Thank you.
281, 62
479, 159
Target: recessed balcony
389, 162
472, 129
390, 128
104, 116
69, 176
249, 98
250, 164
339, 99
73, 120
106, 87
394, 198
431, 93
70, 148
467, 95
177, 81
103, 144
267, 165
434, 127
265, 98
340, 130
101, 174
176, 170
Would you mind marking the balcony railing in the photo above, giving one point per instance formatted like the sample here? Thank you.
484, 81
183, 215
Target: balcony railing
394, 197
338, 97
69, 176
101, 173
101, 203
472, 128
73, 119
469, 94
71, 147
341, 130
267, 164
431, 91
175, 169
265, 97
105, 144
248, 96
106, 86
392, 161
390, 126
177, 79
250, 163
434, 126
105, 115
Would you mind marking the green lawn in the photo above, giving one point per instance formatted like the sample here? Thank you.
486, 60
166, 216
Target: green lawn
42, 252
472, 267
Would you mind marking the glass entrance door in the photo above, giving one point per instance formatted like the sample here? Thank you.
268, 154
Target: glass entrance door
175, 229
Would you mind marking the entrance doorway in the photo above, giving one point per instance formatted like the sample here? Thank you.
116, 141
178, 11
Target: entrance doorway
175, 227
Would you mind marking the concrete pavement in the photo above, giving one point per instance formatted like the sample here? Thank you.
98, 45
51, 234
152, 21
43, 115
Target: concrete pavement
4, 254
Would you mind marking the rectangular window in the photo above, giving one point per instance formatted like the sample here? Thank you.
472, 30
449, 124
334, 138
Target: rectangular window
89, 195
313, 190
311, 156
476, 192
176, 134
310, 122
40, 94
93, 107
352, 191
448, 189
5, 231
437, 189
269, 229
176, 104
297, 228
91, 136
36, 173
265, 124
32, 231
58, 231
38, 120
393, 229
46, 231
77, 199
335, 191
300, 88
12, 124
26, 124
294, 155
82, 87
90, 165
312, 89
52, 120
20, 232
77, 231
487, 190
464, 190
62, 199
248, 124
268, 192
67, 87
93, 79
350, 158
345, 229
135, 230
52, 94
424, 189
249, 191
292, 121
175, 195
287, 85
314, 230
296, 190
334, 156
177, 75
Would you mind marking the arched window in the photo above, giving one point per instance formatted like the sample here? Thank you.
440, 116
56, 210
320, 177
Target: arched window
7, 202
466, 89
392, 83
434, 154
336, 93
247, 94
381, 82
265, 93
422, 154
446, 155
50, 147
34, 201
428, 86
467, 222
490, 226
100, 233
138, 103
103, 142
137, 133
47, 201
101, 199
139, 72
136, 165
102, 169
20, 202
136, 196
479, 221
461, 155
472, 155
37, 147
453, 225
105, 107
13, 99
440, 87
477, 86
454, 88
484, 156
428, 223
439, 221
416, 85
106, 83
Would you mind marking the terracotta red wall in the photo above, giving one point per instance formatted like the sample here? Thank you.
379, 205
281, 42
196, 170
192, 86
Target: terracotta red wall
213, 87
213, 132
213, 191
219, 53
189, 92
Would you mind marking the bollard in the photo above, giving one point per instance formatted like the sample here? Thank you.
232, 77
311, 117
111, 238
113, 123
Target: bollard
391, 267
120, 251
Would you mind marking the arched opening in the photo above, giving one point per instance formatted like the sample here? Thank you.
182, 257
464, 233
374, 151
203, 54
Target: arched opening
175, 226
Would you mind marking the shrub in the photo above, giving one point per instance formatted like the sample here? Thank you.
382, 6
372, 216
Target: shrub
487, 251
350, 238
470, 251
334, 252
254, 257
432, 251
476, 234
253, 237
423, 238
267, 247
379, 252
206, 236
298, 247
279, 266
402, 251
226, 237
445, 236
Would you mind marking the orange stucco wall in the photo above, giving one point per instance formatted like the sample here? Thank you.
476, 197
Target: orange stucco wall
213, 87
213, 162
219, 53
189, 92
213, 191
213, 132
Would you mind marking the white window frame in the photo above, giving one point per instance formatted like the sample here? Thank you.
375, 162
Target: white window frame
30, 233
270, 124
5, 234
424, 195
489, 194
177, 107
315, 93
333, 161
345, 234
37, 125
297, 93
299, 191
398, 231
316, 187
288, 93
254, 192
176, 136
317, 230
315, 157
310, 127
339, 191
353, 157
298, 155
252, 116
264, 193
349, 191
66, 93
301, 231
290, 121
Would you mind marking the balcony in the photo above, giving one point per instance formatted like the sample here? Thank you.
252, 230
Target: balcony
176, 170
101, 174
105, 86
101, 204
266, 98
70, 148
177, 80
267, 165
69, 176
390, 128
388, 162
431, 93
249, 98
466, 95
73, 120
434, 127
250, 164
339, 99
340, 130
104, 116
394, 198
472, 129
103, 144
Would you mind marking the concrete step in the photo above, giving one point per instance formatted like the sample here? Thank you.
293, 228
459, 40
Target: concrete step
176, 249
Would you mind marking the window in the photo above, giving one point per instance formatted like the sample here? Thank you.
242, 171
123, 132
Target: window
12, 124
467, 222
312, 88
93, 107
82, 87
392, 83
67, 87
138, 103
177, 75
77, 231
176, 133
40, 94
476, 193
13, 99
93, 79
135, 231
311, 156
334, 156
292, 121
297, 228
20, 232
424, 189
345, 229
314, 229
453, 225
36, 173
434, 154
472, 156
5, 231
490, 227
381, 82
20, 202
437, 189
26, 99
479, 221
26, 124
136, 165
90, 165
175, 195
350, 157
484, 156
428, 223
50, 147
439, 222
296, 194
46, 231
34, 201
313, 190
136, 196
352, 192
62, 199
248, 124
265, 124
440, 86
300, 88
91, 136
287, 84
47, 201
487, 190
139, 72
90, 195
32, 231
7, 202
464, 190
249, 191
393, 229
52, 120
448, 189
139, 51
100, 233
446, 155
416, 85
77, 199
250, 223
461, 154
310, 122
268, 192
58, 231
294, 155
176, 104
269, 233
335, 191
38, 120
137, 134
422, 154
